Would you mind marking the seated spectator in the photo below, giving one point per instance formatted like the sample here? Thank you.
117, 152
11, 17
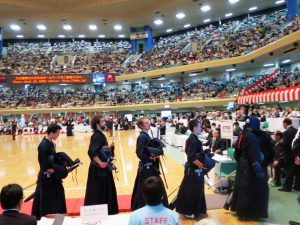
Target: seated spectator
154, 212
11, 198
216, 144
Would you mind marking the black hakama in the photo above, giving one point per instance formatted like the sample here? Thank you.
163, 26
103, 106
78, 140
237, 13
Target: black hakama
251, 193
100, 188
147, 168
191, 197
49, 197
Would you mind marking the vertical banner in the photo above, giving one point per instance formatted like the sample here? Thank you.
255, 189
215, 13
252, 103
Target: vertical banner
149, 41
1, 42
293, 8
133, 42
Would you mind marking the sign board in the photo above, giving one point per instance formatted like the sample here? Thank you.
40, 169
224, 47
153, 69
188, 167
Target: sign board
94, 213
227, 129
110, 78
138, 35
50, 79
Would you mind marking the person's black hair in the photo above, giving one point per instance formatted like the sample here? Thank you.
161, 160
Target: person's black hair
213, 124
193, 123
278, 133
287, 121
53, 128
10, 196
236, 123
153, 190
96, 120
207, 126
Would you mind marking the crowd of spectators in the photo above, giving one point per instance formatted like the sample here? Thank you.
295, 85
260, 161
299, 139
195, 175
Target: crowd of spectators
217, 42
229, 39
283, 79
169, 91
33, 97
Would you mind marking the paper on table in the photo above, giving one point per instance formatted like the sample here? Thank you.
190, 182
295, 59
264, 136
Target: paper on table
121, 219
45, 221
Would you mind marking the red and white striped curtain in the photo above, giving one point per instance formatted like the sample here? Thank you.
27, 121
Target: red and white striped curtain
279, 95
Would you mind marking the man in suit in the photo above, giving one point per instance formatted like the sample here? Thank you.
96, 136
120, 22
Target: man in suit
215, 143
289, 159
11, 198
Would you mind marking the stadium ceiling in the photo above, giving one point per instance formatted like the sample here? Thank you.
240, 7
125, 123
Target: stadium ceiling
105, 14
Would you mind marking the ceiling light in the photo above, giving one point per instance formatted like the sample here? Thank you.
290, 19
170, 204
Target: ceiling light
118, 27
41, 36
169, 30
158, 22
41, 27
187, 25
121, 35
193, 74
180, 15
279, 2
268, 64
81, 36
61, 36
19, 36
205, 8
286, 61
206, 20
233, 1
101, 35
230, 70
253, 8
228, 14
93, 27
15, 27
67, 27
63, 84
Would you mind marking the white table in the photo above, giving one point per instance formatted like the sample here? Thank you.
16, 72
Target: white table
212, 175
121, 219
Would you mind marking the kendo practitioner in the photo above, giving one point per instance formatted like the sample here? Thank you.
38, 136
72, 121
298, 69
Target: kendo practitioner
14, 130
251, 192
69, 128
100, 187
191, 199
148, 166
49, 197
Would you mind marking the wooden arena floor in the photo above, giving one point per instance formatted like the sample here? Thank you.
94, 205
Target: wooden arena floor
19, 164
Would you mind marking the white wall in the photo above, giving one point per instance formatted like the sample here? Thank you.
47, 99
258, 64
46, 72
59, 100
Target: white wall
294, 65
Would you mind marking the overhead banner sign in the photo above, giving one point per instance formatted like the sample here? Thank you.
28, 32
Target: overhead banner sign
101, 78
2, 79
110, 78
50, 79
138, 35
